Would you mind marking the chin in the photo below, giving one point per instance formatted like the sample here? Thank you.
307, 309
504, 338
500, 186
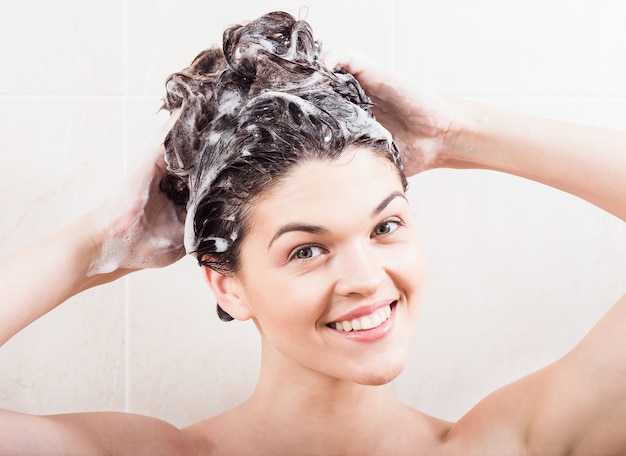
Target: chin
382, 375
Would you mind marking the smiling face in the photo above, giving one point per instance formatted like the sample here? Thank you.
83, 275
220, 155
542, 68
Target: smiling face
331, 269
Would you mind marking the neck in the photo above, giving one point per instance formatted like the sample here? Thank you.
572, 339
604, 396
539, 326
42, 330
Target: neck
327, 414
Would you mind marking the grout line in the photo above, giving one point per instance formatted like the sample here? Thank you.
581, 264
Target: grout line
392, 34
127, 347
70, 96
125, 159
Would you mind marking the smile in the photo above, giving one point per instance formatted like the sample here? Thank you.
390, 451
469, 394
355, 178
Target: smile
371, 321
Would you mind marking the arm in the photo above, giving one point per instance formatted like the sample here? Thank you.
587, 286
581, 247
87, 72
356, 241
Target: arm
101, 433
38, 279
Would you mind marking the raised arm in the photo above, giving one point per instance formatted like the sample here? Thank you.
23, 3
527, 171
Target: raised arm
585, 161
36, 280
432, 132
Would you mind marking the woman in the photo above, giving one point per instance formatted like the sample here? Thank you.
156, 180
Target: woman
319, 249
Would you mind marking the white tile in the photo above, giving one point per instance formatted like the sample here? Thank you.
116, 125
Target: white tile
70, 360
536, 47
145, 125
61, 47
60, 158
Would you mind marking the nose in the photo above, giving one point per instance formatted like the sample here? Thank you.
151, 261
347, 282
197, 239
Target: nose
359, 271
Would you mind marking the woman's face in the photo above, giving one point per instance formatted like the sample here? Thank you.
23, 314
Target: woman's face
332, 270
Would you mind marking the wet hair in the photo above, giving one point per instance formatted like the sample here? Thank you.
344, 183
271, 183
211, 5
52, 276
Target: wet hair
250, 112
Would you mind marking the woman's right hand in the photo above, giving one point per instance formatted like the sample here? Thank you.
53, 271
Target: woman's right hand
139, 227
424, 127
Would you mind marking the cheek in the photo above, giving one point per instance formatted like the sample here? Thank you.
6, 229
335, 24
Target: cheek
279, 304
288, 312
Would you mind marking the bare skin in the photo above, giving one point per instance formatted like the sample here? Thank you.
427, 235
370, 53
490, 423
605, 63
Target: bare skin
577, 405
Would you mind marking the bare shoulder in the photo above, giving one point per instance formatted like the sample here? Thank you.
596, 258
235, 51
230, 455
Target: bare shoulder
575, 406
495, 426
94, 434
230, 432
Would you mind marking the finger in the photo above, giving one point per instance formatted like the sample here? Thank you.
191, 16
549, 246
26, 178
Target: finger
348, 60
333, 59
174, 115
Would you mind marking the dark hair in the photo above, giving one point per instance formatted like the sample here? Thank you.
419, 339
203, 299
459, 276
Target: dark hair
250, 111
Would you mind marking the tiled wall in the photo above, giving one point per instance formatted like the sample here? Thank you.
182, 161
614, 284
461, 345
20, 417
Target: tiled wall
517, 272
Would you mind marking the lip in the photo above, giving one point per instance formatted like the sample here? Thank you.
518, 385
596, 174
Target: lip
365, 310
369, 335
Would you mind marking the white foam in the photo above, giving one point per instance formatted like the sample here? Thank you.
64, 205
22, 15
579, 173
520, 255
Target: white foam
229, 103
190, 236
128, 252
214, 137
221, 244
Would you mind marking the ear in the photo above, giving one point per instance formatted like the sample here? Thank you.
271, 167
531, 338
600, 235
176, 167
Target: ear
229, 293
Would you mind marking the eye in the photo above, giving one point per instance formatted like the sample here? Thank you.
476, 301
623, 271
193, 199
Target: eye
306, 252
386, 227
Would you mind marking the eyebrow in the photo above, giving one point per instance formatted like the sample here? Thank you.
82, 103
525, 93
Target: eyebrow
312, 229
384, 203
316, 229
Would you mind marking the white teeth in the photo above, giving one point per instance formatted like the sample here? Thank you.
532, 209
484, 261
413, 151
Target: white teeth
366, 322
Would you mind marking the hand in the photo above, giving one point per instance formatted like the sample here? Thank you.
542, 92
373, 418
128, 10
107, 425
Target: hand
422, 125
140, 227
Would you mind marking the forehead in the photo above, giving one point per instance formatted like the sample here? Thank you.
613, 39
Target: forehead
358, 180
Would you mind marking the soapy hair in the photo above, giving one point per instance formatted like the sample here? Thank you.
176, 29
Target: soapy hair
250, 112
